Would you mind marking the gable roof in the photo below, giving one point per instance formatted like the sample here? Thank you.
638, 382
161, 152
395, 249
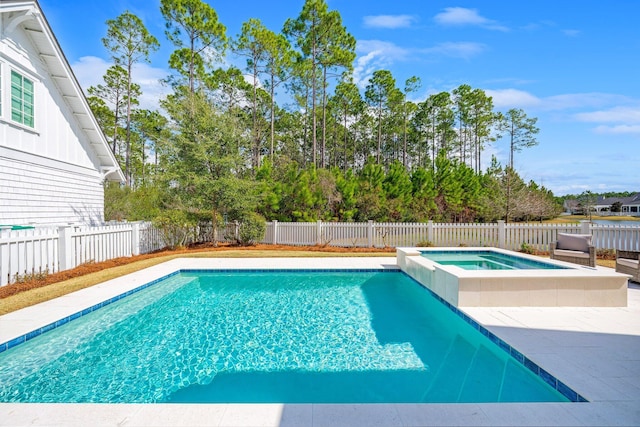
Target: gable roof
30, 17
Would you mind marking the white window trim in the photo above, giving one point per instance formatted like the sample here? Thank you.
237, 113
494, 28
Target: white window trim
9, 114
7, 64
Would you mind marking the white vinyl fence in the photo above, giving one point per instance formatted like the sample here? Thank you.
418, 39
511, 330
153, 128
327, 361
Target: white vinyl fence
508, 236
35, 251
48, 250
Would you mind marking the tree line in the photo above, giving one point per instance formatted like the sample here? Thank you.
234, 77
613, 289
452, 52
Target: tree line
291, 136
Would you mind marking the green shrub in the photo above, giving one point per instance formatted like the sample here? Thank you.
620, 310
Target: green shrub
527, 249
252, 229
425, 244
175, 228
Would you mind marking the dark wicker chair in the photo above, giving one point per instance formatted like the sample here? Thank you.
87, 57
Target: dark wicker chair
628, 262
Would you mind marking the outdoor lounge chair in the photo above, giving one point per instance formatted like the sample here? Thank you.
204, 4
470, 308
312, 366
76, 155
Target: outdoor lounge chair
575, 248
628, 262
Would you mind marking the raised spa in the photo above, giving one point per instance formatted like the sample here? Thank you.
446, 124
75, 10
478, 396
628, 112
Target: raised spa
491, 277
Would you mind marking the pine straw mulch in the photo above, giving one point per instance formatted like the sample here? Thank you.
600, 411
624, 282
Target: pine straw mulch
92, 267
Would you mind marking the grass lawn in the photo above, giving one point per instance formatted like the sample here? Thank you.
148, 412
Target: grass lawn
578, 218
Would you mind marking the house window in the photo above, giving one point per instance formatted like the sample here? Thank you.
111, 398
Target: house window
21, 99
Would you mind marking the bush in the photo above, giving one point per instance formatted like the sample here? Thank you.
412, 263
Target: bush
606, 254
252, 229
175, 228
527, 249
425, 244
28, 277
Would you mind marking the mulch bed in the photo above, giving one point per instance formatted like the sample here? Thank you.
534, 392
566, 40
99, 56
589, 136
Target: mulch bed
93, 267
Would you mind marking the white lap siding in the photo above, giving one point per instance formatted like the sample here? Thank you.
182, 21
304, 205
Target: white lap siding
36, 190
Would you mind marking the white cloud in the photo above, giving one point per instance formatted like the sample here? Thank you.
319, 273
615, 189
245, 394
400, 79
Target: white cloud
513, 98
463, 50
374, 55
571, 33
613, 115
388, 21
377, 54
460, 16
618, 129
89, 71
582, 100
382, 48
618, 120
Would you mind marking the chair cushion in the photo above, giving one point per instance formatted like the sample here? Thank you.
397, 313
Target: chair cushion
633, 263
575, 254
574, 242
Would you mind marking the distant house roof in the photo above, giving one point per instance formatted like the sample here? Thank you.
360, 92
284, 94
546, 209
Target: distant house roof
608, 201
28, 14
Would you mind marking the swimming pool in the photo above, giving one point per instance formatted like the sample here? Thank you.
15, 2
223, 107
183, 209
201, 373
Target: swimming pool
305, 337
487, 260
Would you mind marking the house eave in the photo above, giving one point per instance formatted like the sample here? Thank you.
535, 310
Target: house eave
29, 16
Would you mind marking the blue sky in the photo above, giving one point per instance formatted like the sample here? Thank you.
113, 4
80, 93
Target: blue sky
573, 64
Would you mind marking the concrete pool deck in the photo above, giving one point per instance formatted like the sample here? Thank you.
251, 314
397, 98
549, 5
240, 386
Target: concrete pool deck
596, 351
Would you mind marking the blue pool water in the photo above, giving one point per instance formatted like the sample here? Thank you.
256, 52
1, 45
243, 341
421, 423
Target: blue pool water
487, 260
303, 337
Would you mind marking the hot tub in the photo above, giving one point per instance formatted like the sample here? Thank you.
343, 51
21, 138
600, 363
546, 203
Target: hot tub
492, 277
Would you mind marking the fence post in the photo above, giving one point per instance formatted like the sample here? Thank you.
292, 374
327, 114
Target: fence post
430, 232
275, 232
135, 238
319, 232
65, 248
585, 227
502, 233
370, 234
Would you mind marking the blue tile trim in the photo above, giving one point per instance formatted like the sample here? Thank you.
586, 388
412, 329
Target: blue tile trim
553, 382
293, 270
32, 334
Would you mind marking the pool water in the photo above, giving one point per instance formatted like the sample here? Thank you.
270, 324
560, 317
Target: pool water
299, 337
487, 260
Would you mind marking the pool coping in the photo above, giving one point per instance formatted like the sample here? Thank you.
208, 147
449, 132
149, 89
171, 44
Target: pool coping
602, 411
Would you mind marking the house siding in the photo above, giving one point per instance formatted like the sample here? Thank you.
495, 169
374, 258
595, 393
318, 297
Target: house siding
50, 174
55, 134
48, 193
